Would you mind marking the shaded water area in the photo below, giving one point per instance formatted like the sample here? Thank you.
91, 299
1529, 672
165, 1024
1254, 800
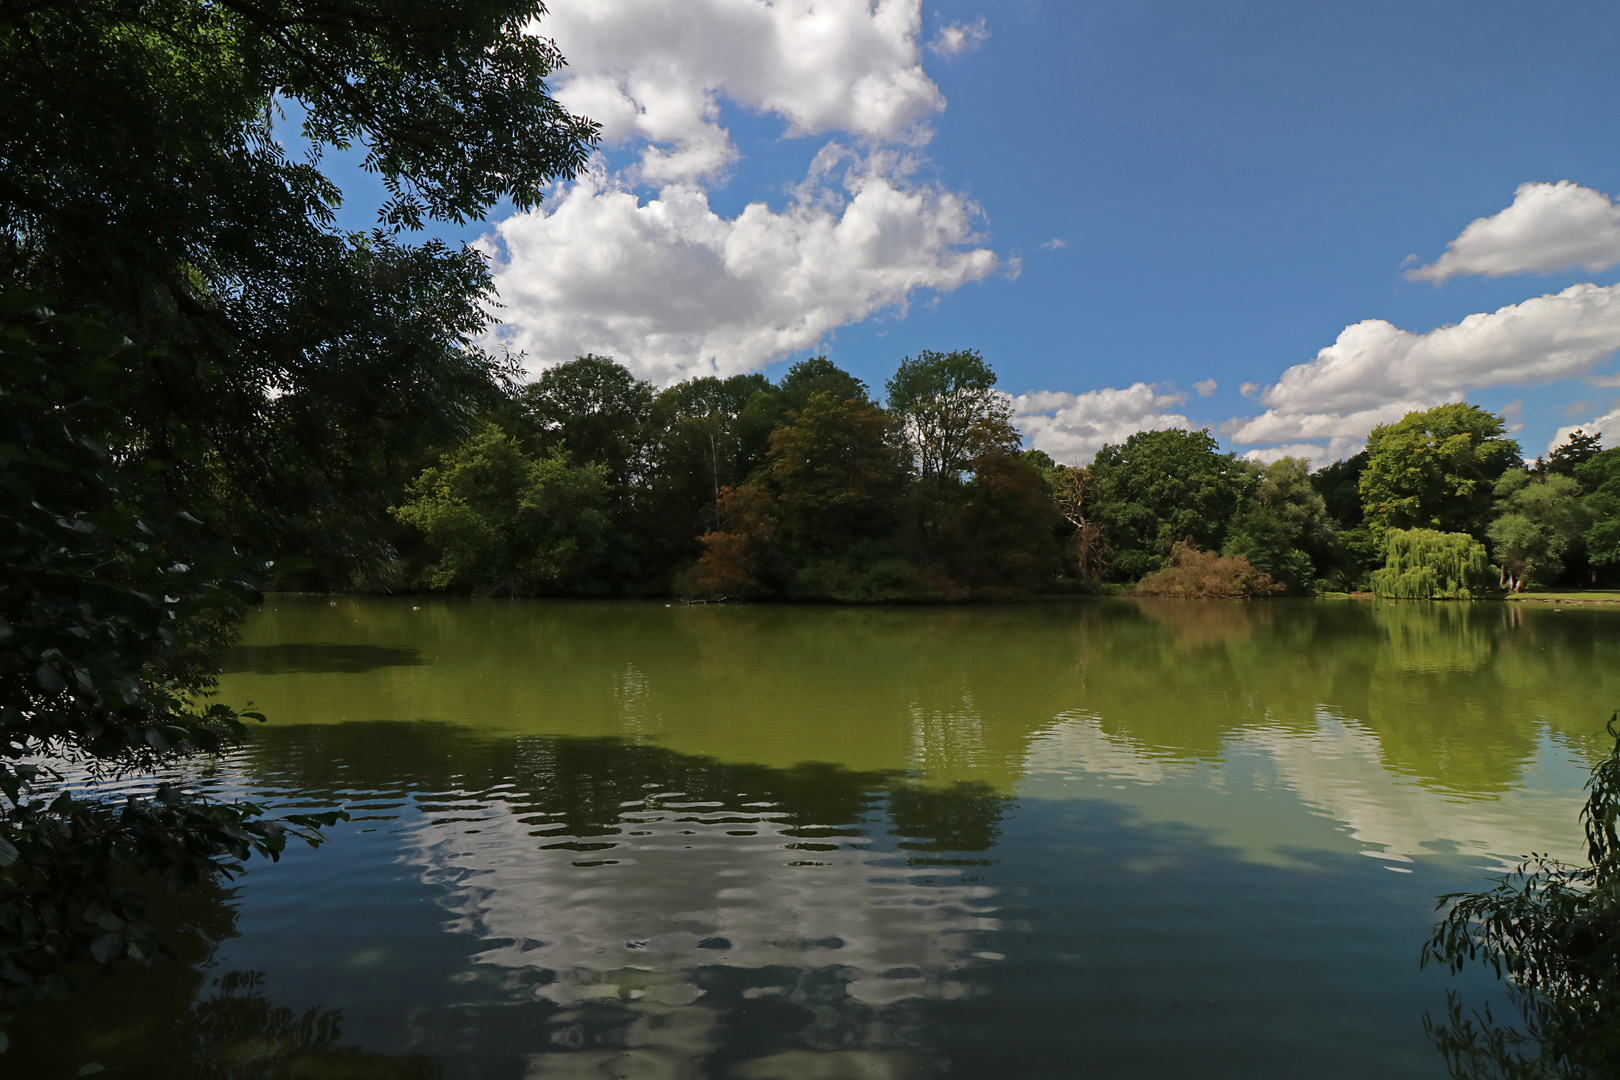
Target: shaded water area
1102, 839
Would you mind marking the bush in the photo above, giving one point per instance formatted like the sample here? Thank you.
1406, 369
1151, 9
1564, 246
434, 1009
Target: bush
1196, 574
1425, 564
1554, 931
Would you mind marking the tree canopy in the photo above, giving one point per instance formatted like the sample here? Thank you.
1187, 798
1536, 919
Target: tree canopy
947, 401
1436, 469
1551, 929
1599, 477
1159, 488
1541, 522
1283, 527
204, 375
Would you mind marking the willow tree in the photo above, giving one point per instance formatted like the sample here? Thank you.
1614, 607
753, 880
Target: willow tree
1426, 564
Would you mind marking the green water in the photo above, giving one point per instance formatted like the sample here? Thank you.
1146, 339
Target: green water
1109, 838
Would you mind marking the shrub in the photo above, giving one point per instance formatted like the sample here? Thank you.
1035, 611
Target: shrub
1553, 930
1425, 564
1197, 574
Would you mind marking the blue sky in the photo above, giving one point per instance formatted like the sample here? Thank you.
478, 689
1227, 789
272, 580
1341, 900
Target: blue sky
1232, 185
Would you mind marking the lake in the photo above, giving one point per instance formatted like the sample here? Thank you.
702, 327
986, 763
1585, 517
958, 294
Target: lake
1107, 838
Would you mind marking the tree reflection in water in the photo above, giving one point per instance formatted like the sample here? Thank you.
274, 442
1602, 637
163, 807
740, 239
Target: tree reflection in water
623, 910
236, 1034
663, 914
613, 852
173, 1021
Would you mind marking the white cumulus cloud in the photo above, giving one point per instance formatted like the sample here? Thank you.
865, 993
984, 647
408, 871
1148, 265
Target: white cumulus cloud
1073, 427
1205, 387
1315, 454
1376, 372
655, 73
637, 264
673, 289
954, 39
1548, 227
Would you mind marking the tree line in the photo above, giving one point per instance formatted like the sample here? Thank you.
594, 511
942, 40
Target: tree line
591, 482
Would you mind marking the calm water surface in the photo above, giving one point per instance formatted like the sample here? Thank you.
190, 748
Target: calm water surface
1106, 839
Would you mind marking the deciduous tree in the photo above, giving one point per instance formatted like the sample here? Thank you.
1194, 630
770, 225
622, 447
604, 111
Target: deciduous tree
1600, 477
507, 524
943, 398
1159, 488
838, 468
269, 374
593, 408
1541, 521
1436, 470
1283, 526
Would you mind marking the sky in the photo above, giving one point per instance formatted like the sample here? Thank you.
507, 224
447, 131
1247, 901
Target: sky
1283, 222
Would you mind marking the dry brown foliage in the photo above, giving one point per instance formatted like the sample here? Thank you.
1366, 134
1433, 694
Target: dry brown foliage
1196, 574
736, 556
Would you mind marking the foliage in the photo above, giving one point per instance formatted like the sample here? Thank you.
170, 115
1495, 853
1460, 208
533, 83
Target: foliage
1355, 553
1006, 533
169, 98
64, 897
1554, 931
835, 510
1074, 493
948, 403
300, 374
594, 409
838, 468
739, 558
818, 375
287, 381
1541, 521
1283, 526
1600, 477
1363, 555
384, 378
110, 615
1425, 564
1339, 484
871, 581
1261, 536
703, 436
1436, 470
1196, 574
1159, 488
1567, 457
505, 523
